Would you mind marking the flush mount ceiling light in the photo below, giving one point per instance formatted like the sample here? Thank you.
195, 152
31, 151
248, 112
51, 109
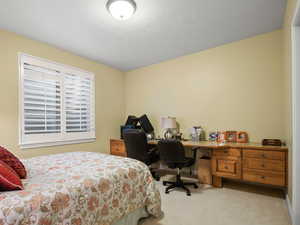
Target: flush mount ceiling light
121, 9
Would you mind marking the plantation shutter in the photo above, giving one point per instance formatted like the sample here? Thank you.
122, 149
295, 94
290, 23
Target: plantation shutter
78, 103
42, 100
57, 104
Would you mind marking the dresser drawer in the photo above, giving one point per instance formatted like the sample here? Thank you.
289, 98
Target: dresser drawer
264, 164
117, 147
231, 152
264, 177
273, 155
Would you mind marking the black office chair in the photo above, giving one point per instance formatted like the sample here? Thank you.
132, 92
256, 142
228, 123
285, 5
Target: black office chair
173, 154
138, 148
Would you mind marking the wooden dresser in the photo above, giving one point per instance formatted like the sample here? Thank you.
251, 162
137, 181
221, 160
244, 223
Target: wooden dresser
246, 162
265, 165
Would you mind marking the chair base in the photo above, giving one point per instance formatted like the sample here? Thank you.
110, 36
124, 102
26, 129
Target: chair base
179, 184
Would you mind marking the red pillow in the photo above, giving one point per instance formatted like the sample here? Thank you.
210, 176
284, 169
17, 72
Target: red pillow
13, 162
9, 179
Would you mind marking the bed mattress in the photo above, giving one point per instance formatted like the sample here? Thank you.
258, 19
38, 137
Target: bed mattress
80, 188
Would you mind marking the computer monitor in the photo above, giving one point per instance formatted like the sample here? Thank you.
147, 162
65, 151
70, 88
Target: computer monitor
146, 124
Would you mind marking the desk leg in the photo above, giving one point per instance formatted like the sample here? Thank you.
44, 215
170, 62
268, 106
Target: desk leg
217, 181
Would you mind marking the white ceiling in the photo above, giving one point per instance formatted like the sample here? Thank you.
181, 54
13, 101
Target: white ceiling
159, 30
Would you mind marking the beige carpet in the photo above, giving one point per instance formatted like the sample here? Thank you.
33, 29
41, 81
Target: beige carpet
235, 204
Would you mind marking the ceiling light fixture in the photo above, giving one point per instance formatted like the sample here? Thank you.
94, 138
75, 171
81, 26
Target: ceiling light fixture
121, 9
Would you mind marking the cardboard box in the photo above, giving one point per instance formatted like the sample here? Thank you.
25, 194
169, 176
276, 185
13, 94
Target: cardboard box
204, 170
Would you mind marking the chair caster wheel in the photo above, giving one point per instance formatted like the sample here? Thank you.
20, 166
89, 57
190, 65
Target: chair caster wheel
196, 186
167, 192
164, 183
188, 194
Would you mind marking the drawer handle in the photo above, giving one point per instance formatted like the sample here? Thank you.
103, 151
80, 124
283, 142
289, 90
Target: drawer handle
263, 165
263, 155
226, 167
262, 177
225, 152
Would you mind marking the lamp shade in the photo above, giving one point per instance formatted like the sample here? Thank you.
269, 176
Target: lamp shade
168, 123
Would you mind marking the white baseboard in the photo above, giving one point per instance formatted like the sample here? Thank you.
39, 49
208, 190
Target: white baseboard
290, 209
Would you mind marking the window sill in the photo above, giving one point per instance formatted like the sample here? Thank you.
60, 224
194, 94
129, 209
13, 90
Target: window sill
57, 143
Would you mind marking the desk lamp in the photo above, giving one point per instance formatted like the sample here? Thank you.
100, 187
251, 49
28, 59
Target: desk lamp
168, 123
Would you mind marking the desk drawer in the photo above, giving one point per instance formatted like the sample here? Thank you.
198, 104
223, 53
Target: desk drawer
273, 178
230, 152
264, 164
273, 155
224, 167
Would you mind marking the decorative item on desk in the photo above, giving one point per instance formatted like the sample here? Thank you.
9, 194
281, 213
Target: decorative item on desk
222, 137
213, 136
231, 136
169, 125
272, 142
197, 133
242, 137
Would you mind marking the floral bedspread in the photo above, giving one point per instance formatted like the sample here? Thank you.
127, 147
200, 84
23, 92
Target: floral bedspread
80, 188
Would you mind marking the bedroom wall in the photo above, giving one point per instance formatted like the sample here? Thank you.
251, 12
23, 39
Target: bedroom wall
237, 86
109, 95
291, 6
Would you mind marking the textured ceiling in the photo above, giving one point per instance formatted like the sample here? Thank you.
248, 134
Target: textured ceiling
159, 30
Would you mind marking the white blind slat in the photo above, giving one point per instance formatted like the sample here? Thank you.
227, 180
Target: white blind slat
40, 102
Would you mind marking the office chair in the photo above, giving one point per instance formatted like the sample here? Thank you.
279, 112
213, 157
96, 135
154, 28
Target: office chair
138, 148
173, 154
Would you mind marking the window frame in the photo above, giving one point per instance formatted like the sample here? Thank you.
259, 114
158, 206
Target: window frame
63, 137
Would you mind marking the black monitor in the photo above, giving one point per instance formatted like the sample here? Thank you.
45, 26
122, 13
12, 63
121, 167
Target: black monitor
145, 124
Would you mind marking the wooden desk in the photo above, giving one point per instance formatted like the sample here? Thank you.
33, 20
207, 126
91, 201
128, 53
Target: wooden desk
250, 162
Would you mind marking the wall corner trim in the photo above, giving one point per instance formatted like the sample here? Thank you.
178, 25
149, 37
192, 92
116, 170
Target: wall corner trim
290, 209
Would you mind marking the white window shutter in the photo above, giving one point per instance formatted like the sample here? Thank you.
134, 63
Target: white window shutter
42, 100
57, 103
77, 103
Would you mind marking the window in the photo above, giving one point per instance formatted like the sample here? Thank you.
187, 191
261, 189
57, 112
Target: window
56, 103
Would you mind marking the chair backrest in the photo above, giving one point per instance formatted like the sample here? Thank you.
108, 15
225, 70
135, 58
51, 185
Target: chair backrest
171, 152
136, 144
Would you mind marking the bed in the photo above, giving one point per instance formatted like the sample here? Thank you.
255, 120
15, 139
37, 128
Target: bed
81, 188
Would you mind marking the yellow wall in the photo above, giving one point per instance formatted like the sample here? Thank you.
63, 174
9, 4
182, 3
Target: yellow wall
109, 95
291, 5
238, 86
